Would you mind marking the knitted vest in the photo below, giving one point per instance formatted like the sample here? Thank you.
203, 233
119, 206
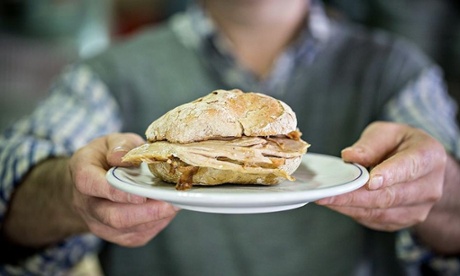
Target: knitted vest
335, 97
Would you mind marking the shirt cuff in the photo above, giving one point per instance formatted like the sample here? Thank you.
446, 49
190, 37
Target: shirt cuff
55, 260
419, 260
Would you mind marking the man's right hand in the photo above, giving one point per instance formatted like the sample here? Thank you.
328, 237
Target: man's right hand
111, 214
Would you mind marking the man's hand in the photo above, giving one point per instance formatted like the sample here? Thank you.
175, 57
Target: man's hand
111, 214
406, 177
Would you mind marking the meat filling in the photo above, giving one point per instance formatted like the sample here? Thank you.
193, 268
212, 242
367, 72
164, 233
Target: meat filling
245, 154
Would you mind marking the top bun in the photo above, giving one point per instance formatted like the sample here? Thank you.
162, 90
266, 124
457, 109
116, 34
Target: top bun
224, 113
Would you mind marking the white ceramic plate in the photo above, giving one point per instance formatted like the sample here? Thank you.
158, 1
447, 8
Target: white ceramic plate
318, 176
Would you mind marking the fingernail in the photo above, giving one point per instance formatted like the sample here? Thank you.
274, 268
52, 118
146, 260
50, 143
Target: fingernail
354, 149
136, 199
375, 182
119, 149
176, 208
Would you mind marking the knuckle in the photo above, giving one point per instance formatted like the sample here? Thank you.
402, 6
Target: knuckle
81, 179
415, 164
79, 174
114, 220
387, 198
435, 194
379, 219
114, 195
381, 216
420, 218
161, 210
366, 215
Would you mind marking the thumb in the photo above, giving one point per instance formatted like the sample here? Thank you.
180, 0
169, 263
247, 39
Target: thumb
119, 144
377, 142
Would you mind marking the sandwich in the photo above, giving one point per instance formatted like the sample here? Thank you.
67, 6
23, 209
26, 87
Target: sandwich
227, 136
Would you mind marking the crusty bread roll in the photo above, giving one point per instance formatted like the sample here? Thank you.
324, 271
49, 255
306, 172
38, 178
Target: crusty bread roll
224, 137
224, 114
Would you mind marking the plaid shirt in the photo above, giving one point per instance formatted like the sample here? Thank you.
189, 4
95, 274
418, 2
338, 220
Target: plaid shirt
80, 108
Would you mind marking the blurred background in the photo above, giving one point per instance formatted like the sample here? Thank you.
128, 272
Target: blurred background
434, 25
39, 37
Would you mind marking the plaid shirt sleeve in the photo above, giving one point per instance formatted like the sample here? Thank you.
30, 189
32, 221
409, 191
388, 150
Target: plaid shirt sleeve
78, 110
426, 104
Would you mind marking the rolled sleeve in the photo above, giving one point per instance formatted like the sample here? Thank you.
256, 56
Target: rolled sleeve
425, 104
79, 109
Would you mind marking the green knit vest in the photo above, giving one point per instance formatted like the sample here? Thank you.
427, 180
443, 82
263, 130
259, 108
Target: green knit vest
334, 97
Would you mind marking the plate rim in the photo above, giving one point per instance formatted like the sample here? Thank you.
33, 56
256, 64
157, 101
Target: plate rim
194, 198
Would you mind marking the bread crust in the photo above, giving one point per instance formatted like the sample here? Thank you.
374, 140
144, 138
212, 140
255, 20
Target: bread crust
206, 176
224, 113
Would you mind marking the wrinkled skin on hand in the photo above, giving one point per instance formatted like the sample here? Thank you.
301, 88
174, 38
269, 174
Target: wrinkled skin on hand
112, 214
406, 177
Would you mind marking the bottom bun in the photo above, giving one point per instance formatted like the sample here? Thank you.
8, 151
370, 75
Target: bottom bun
186, 176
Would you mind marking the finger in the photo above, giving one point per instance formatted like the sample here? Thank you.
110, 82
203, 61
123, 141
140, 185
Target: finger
98, 187
127, 217
386, 219
398, 195
140, 238
119, 144
129, 225
131, 238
